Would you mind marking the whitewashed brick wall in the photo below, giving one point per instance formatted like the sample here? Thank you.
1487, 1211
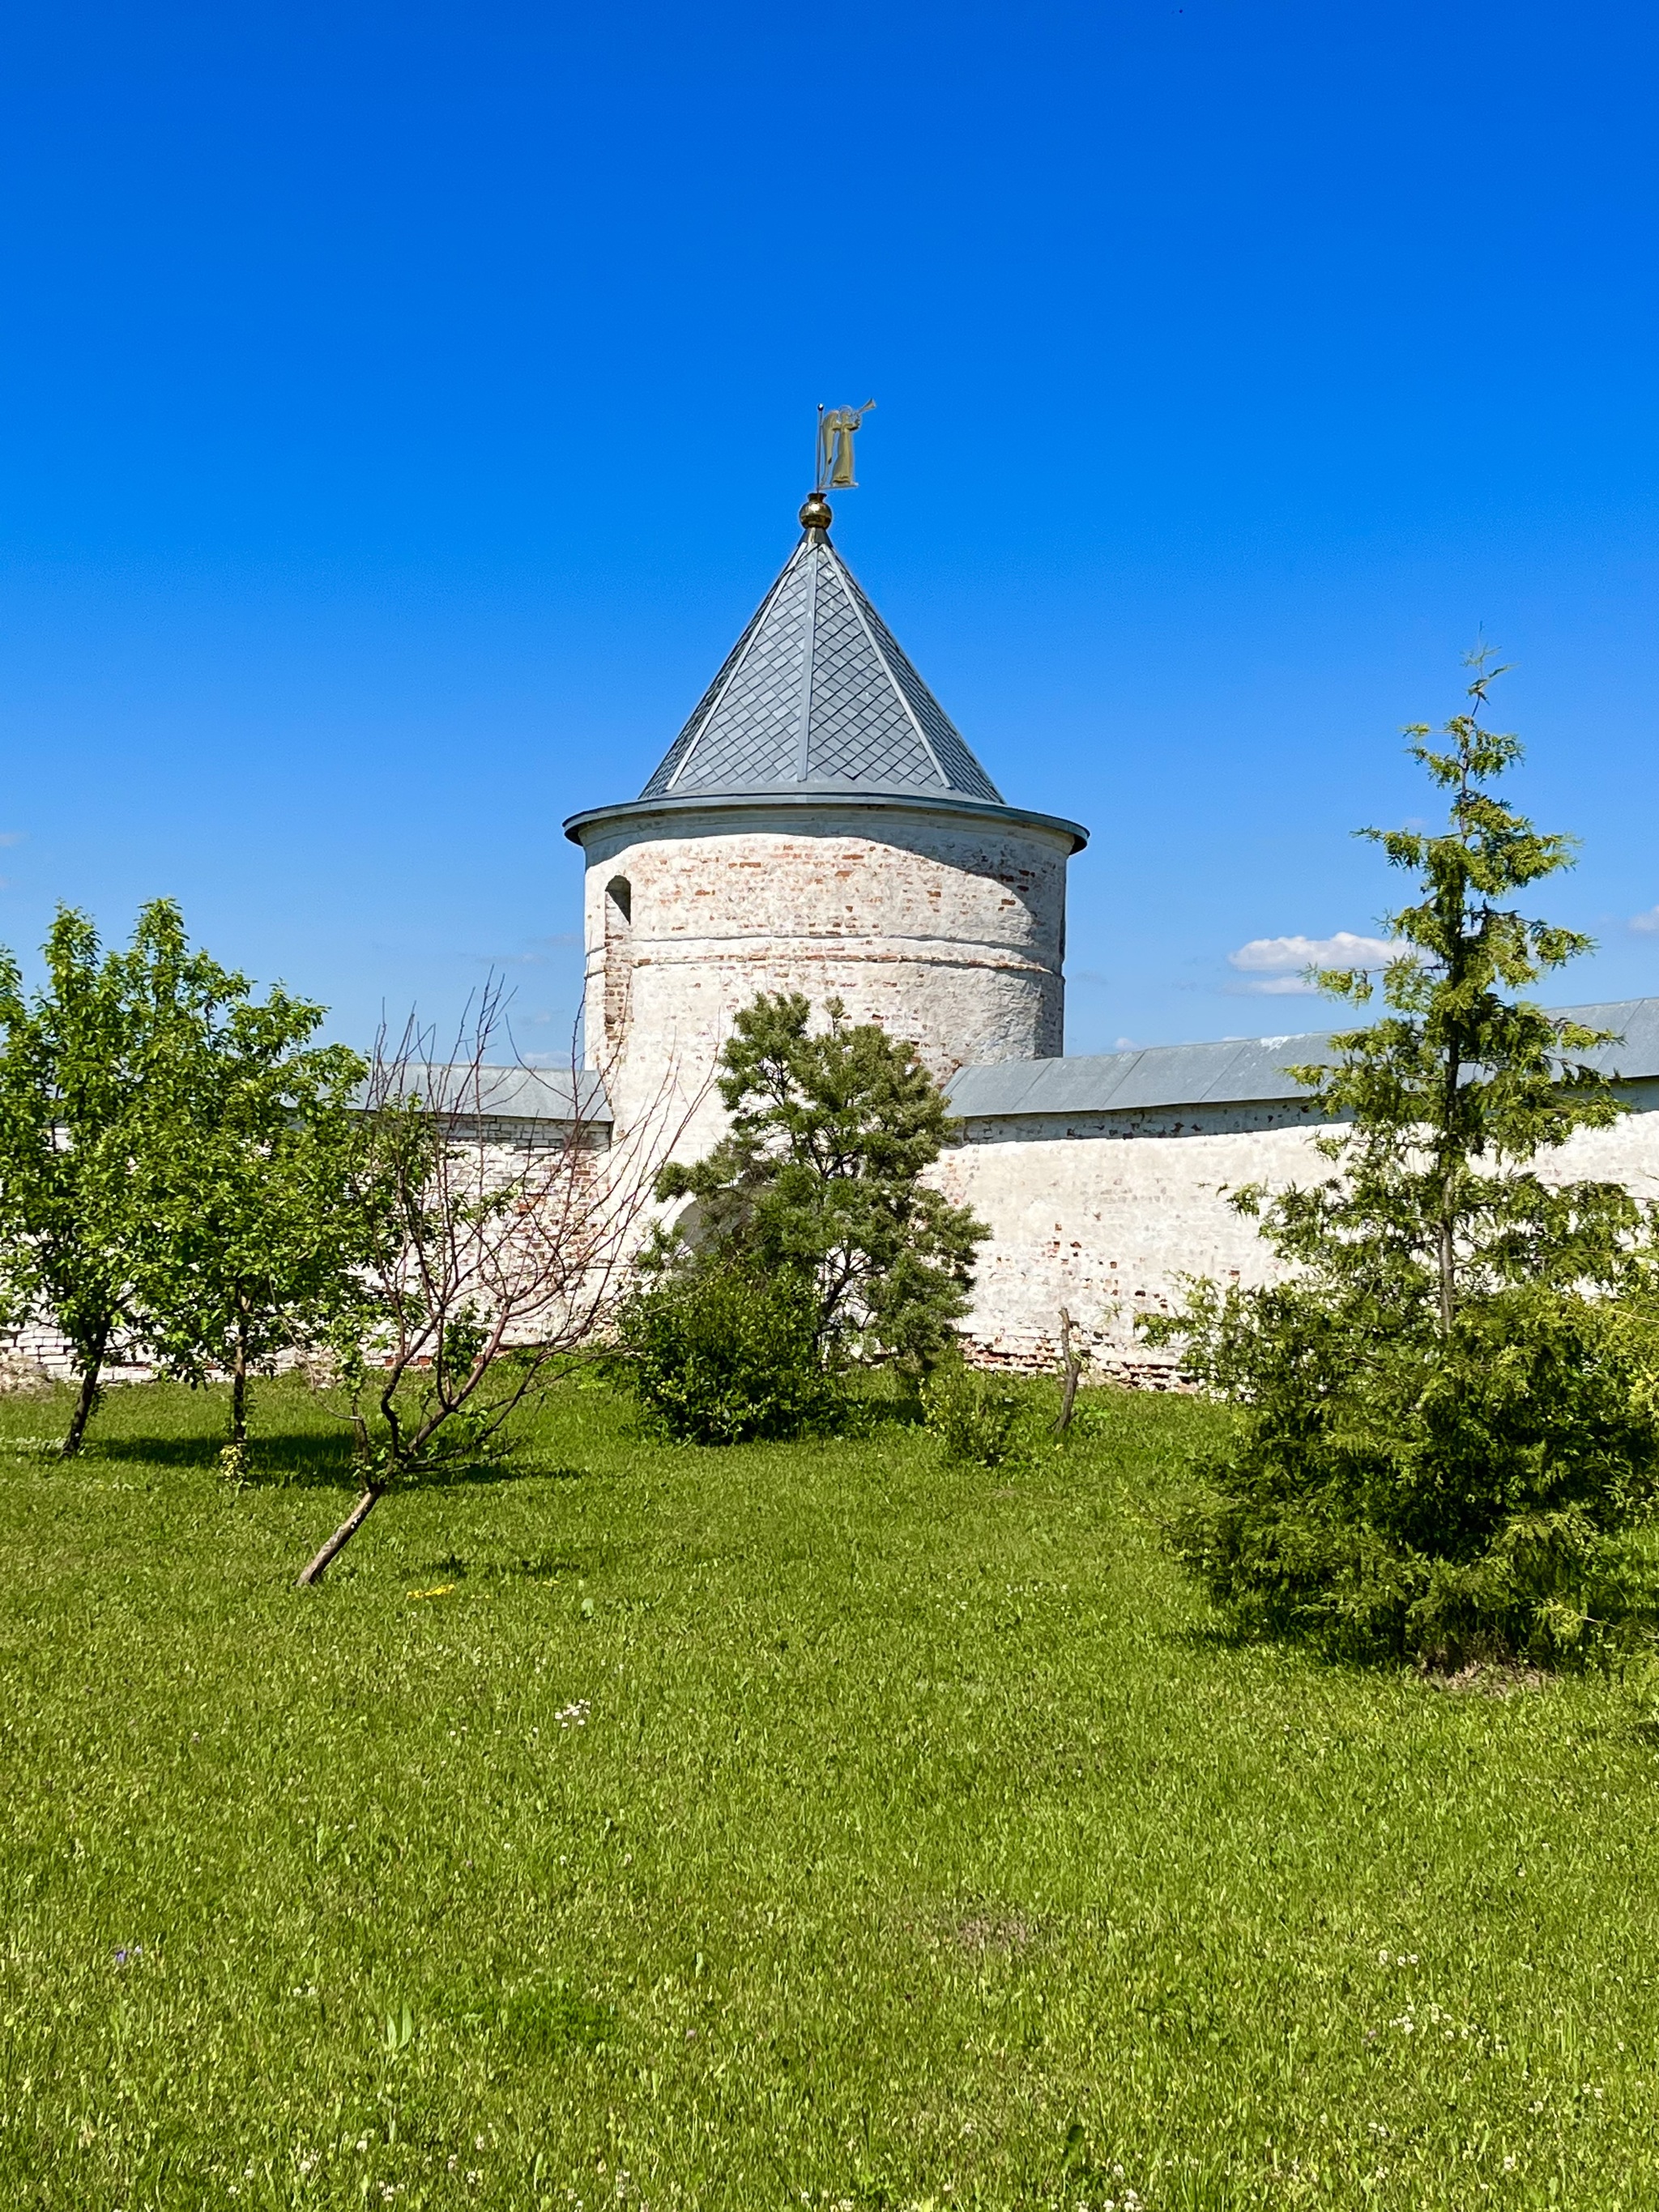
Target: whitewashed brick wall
506, 1141
1106, 1224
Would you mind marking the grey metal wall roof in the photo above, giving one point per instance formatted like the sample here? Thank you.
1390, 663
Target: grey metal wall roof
1236, 1071
1635, 1022
518, 1094
819, 695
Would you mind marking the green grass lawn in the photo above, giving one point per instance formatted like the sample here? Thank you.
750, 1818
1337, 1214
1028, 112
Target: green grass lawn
790, 1825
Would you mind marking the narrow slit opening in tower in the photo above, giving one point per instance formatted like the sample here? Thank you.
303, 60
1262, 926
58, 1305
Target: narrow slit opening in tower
618, 956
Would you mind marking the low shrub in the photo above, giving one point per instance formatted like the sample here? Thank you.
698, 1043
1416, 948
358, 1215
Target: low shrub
717, 1355
978, 1419
1488, 1495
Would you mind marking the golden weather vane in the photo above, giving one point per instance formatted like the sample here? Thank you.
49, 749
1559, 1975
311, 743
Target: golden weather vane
836, 428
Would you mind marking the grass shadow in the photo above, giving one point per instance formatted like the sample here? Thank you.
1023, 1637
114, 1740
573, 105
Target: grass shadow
310, 1462
464, 1472
1221, 1635
538, 1567
1304, 1653
272, 1462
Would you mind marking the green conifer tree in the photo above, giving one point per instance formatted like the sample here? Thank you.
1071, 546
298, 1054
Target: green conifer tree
1450, 1401
819, 1179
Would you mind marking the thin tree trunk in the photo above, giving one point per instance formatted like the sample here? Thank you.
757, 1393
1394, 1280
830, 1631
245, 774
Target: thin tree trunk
1447, 1226
87, 1404
239, 1383
1070, 1364
1448, 1270
337, 1542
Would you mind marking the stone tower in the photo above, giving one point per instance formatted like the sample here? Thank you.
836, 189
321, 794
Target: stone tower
819, 825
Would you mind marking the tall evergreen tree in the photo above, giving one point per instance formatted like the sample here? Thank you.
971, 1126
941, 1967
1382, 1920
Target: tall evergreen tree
1451, 1402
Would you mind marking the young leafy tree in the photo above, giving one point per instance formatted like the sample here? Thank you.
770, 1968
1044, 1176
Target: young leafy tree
243, 1143
1451, 1401
169, 1166
819, 1179
69, 1066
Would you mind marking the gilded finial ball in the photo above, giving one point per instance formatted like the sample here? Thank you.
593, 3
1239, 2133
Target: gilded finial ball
815, 514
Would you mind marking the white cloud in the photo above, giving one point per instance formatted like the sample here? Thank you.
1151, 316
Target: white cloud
12, 836
1274, 956
1647, 924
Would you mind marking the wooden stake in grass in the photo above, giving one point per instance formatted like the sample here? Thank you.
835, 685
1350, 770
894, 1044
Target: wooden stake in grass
1070, 1367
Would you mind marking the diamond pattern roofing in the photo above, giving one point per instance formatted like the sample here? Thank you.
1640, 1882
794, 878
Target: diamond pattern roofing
817, 695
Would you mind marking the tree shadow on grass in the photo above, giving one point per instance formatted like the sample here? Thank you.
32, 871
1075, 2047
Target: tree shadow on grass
1219, 1635
272, 1462
1299, 1650
311, 1462
466, 1472
537, 1567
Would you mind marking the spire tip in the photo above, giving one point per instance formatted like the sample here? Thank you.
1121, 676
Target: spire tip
816, 513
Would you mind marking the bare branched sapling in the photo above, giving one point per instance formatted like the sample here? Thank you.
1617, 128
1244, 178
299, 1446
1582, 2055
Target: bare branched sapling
494, 1259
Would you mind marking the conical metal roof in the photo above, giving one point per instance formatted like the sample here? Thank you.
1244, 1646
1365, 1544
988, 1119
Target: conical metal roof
817, 695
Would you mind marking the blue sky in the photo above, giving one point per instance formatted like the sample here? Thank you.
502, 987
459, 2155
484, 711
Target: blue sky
403, 408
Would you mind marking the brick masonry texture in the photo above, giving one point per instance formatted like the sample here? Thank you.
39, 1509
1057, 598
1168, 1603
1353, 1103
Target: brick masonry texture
1107, 1229
952, 932
947, 930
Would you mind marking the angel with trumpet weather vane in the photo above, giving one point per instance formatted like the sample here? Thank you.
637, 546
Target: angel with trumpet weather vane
836, 427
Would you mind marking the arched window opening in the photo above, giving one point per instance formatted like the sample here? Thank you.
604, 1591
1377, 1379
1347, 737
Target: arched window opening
618, 956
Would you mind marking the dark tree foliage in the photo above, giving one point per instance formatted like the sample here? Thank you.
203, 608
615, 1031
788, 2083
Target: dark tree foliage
819, 1180
1450, 1440
720, 1356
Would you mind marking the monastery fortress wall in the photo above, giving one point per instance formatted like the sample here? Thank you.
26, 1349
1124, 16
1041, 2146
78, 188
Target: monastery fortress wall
819, 825
1107, 1224
1104, 1222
